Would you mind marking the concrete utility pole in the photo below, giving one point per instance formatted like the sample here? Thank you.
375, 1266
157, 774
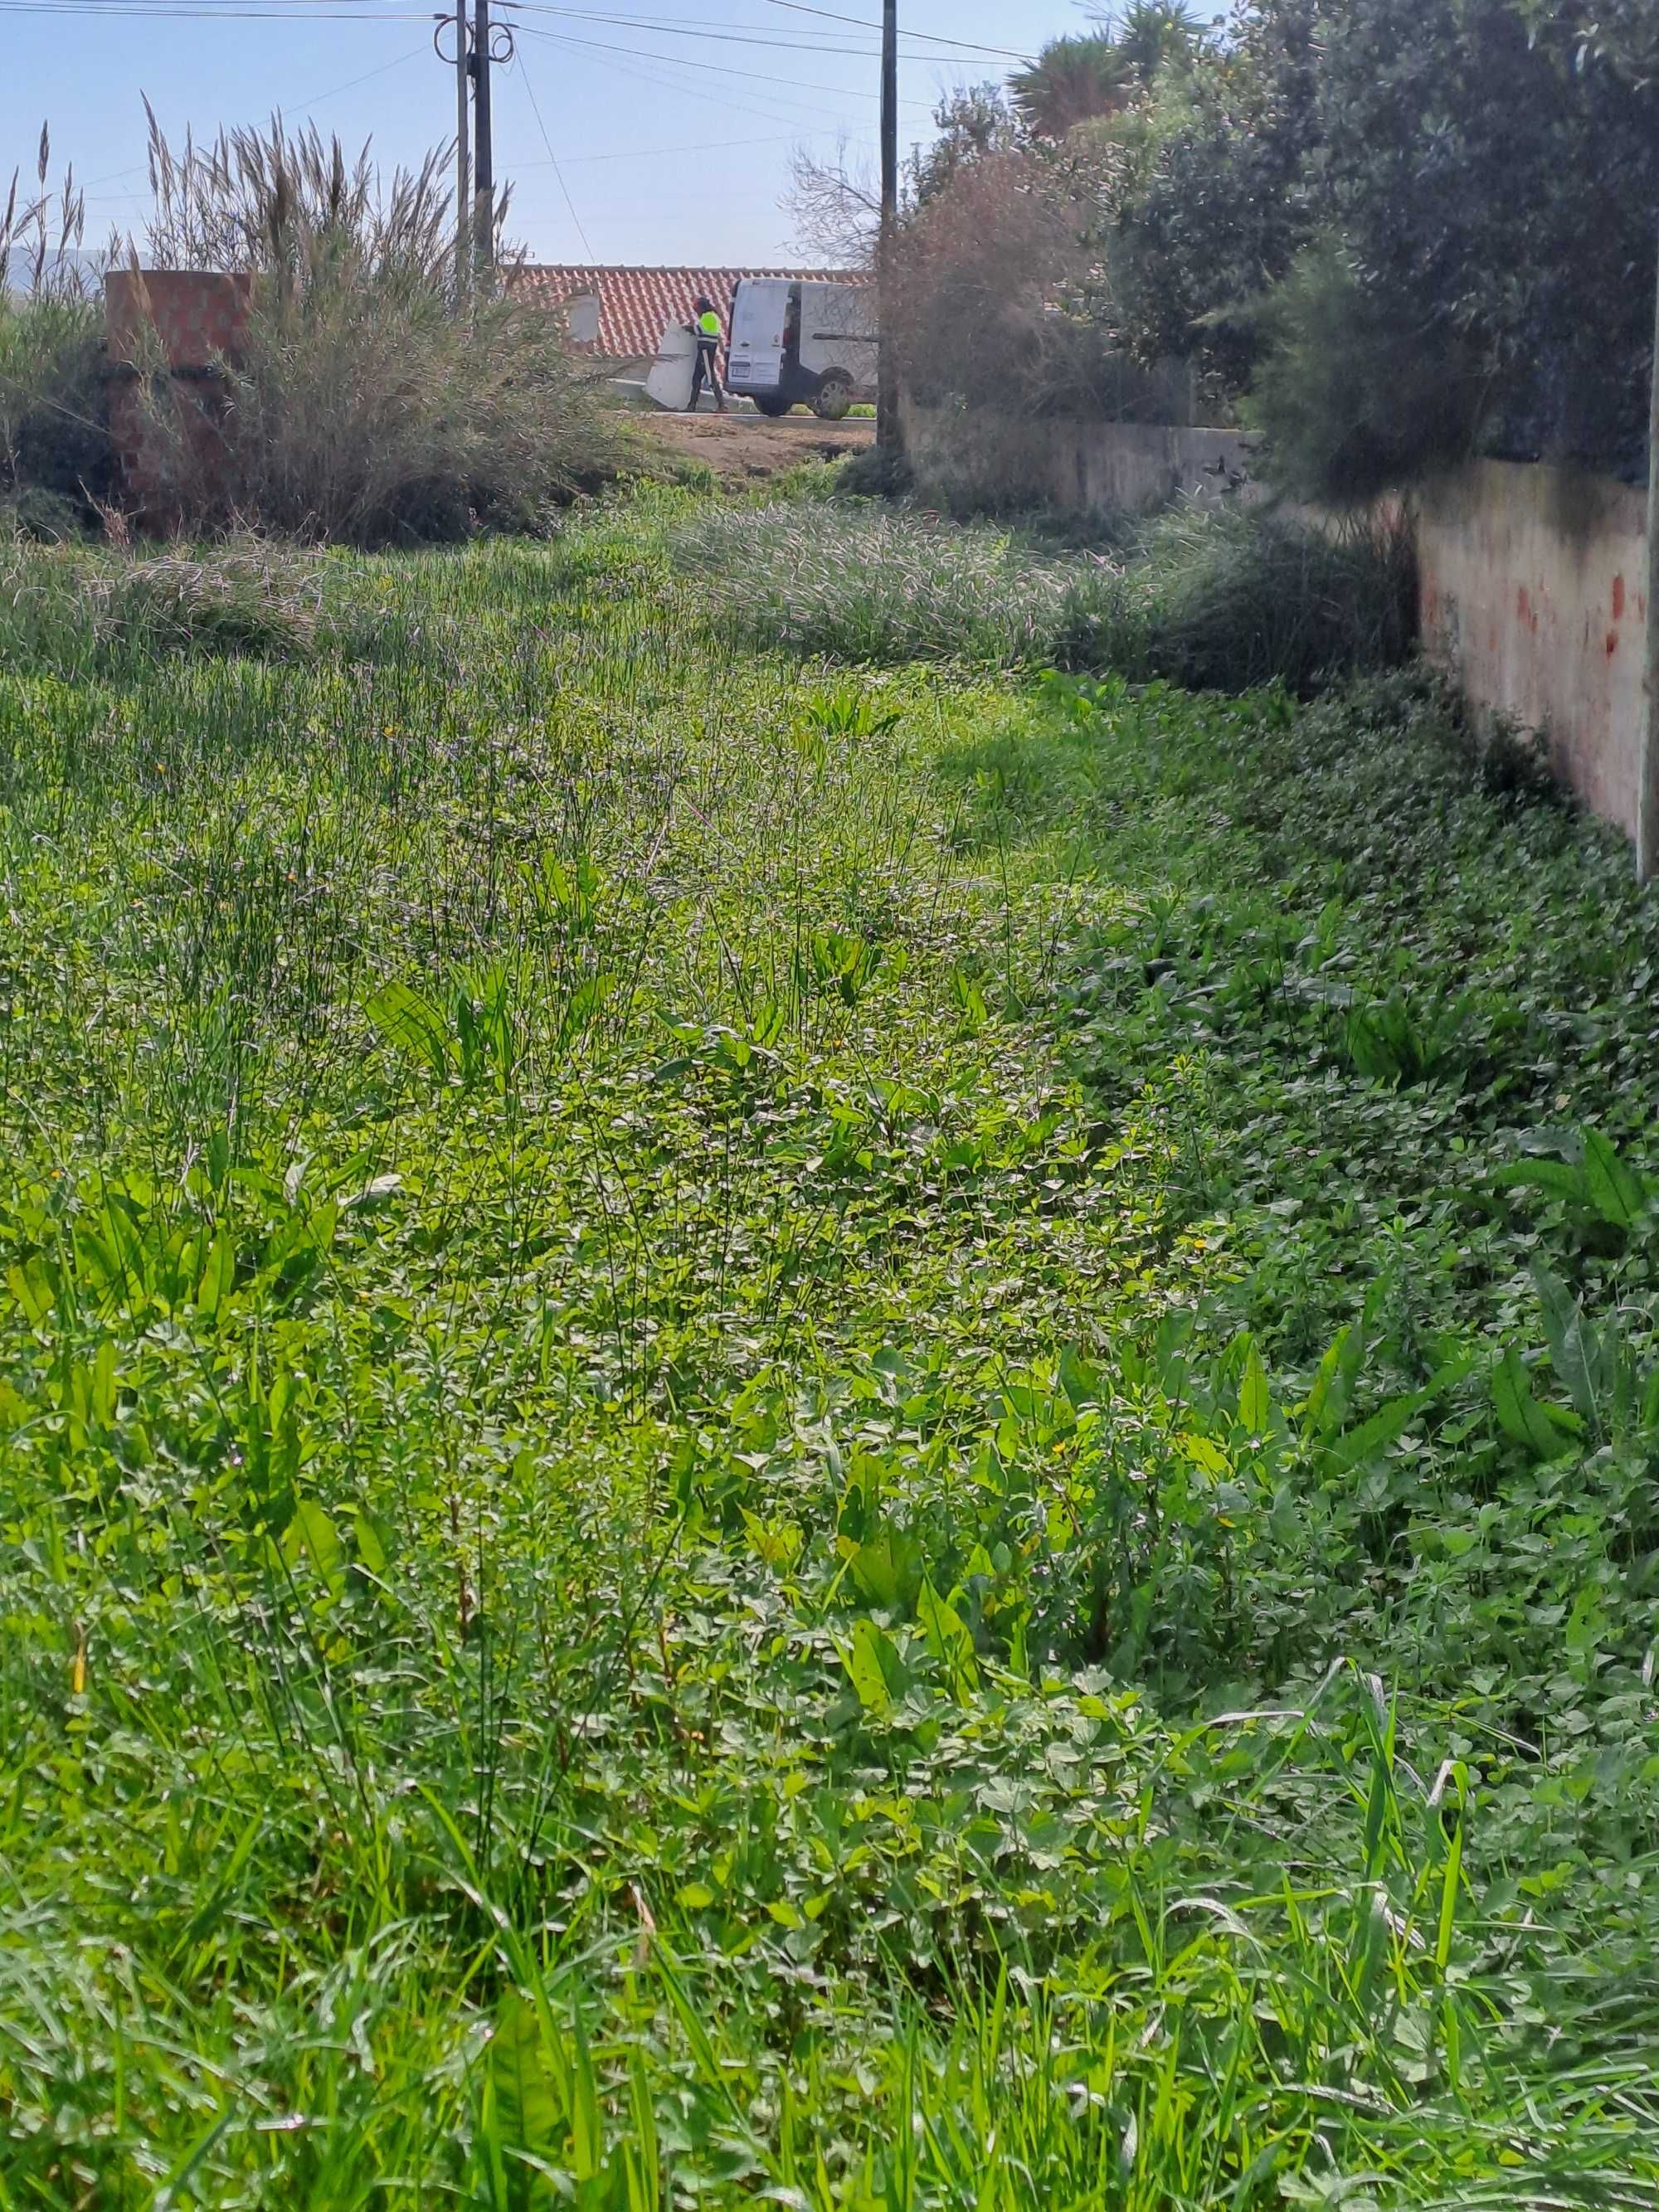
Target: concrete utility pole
483, 166
888, 436
463, 156
1647, 792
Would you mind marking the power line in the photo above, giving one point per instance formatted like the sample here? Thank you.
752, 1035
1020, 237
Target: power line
686, 87
654, 153
724, 34
928, 37
684, 61
177, 13
537, 110
299, 107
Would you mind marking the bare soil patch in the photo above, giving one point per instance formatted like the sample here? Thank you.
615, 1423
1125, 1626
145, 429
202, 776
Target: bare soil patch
748, 448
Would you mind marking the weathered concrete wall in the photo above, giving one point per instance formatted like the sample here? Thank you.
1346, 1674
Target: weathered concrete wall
1534, 597
1534, 591
1111, 468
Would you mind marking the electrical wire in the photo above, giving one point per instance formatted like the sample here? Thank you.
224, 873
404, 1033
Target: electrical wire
728, 34
656, 153
684, 62
176, 13
536, 109
927, 38
687, 88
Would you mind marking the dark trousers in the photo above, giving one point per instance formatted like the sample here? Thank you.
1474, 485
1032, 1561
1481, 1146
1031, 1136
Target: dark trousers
706, 349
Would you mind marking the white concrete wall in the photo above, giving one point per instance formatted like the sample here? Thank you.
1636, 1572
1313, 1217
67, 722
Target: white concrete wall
1111, 468
1534, 598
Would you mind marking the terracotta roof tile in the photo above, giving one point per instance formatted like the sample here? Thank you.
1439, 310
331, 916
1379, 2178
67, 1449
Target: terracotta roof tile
634, 304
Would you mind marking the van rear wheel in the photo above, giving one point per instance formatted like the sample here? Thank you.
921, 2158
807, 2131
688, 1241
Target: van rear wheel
771, 402
833, 397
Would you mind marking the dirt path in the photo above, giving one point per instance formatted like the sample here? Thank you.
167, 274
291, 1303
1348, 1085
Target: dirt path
748, 448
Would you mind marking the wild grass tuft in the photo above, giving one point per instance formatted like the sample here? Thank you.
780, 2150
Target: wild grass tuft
77, 610
1212, 600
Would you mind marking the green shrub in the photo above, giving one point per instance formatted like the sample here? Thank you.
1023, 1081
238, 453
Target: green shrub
1231, 598
877, 473
75, 610
55, 461
367, 405
1350, 400
820, 578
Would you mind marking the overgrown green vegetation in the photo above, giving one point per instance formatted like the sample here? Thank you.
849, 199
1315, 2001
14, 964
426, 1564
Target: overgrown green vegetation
1214, 599
789, 1434
1406, 233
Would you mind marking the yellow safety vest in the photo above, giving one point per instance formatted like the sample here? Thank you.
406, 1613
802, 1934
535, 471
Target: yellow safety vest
709, 325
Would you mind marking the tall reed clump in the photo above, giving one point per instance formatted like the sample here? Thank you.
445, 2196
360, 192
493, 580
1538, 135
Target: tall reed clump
367, 404
79, 610
55, 457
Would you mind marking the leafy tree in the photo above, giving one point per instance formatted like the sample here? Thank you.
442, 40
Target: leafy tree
1226, 208
1351, 398
1071, 81
1152, 35
972, 121
1077, 80
1497, 180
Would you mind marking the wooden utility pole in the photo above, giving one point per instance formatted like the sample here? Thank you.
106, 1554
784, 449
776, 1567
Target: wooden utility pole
463, 157
483, 166
1647, 792
888, 436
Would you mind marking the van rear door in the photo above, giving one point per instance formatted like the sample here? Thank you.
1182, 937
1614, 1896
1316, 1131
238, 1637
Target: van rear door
755, 357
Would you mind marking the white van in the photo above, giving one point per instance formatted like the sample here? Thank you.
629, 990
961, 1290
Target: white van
802, 340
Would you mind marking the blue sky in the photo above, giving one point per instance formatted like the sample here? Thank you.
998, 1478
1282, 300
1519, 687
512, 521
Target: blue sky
672, 131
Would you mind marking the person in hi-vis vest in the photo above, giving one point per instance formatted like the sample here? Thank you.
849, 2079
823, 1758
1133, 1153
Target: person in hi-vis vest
707, 331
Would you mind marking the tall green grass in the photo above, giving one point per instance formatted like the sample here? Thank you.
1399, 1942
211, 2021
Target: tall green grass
1211, 599
742, 1463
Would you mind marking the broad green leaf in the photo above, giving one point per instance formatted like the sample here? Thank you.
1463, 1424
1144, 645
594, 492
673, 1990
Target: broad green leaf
1555, 1177
587, 1002
1519, 1413
33, 1288
371, 1552
528, 2109
886, 1571
1574, 1351
1326, 1403
873, 1666
217, 1275
1614, 1189
1390, 1422
1205, 1453
411, 1023
1083, 1382
312, 1537
104, 1391
1254, 1399
947, 1637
